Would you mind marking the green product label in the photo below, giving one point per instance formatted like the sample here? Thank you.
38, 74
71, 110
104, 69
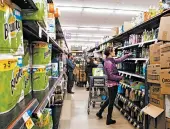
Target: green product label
10, 85
27, 80
40, 79
41, 53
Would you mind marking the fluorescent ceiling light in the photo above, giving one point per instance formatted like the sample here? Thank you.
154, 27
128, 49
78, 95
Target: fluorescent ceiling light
127, 12
93, 29
72, 9
83, 35
105, 29
97, 10
69, 28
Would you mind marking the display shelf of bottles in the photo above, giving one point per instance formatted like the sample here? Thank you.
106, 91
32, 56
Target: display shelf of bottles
139, 91
46, 98
129, 102
130, 74
138, 44
33, 31
129, 118
27, 6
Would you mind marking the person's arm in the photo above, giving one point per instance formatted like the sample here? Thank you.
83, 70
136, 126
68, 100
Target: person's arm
110, 74
70, 64
121, 59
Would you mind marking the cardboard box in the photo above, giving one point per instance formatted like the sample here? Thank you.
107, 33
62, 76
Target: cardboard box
167, 123
164, 29
153, 74
154, 51
157, 116
156, 98
127, 25
165, 55
165, 81
167, 106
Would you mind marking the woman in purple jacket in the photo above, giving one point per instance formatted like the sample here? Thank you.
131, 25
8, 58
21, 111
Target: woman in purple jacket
113, 79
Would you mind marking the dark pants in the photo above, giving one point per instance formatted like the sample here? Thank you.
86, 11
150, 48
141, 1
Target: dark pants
70, 82
112, 91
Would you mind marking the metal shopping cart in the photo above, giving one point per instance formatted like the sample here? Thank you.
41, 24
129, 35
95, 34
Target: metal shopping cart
97, 91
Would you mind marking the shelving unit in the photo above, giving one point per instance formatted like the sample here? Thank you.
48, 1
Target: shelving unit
44, 101
130, 74
35, 102
118, 40
27, 6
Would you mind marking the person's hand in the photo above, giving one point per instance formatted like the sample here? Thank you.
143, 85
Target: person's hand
130, 54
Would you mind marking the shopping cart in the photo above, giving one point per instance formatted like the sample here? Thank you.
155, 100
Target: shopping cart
97, 91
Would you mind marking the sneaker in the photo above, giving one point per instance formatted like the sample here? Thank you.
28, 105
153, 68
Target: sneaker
109, 122
99, 115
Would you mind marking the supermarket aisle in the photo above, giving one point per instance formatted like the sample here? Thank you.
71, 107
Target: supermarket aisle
74, 114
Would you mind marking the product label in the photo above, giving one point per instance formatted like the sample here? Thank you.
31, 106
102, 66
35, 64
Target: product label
6, 65
29, 123
38, 70
46, 54
40, 45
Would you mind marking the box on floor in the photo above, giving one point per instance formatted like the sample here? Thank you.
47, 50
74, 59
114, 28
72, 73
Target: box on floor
165, 81
164, 29
154, 55
165, 55
153, 74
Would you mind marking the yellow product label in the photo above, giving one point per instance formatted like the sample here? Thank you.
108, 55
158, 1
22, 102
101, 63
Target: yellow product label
6, 65
4, 8
40, 45
25, 72
40, 70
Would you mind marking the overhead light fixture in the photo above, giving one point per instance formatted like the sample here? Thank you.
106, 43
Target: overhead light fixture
69, 28
105, 29
86, 28
127, 12
97, 10
90, 36
70, 9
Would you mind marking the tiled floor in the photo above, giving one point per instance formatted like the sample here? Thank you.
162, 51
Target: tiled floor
74, 114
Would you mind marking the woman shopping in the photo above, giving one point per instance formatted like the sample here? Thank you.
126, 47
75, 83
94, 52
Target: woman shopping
113, 79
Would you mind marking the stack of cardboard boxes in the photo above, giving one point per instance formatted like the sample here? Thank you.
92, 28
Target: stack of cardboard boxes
158, 76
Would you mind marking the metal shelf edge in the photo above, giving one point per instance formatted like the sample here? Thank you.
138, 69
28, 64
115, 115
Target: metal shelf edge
16, 124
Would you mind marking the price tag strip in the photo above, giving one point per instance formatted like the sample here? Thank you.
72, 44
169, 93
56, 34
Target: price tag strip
28, 121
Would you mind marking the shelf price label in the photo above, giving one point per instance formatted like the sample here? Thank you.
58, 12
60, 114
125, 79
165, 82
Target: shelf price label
29, 123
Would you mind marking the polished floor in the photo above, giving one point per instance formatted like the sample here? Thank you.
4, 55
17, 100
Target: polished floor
74, 114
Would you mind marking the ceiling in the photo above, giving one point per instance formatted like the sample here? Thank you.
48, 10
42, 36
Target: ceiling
87, 21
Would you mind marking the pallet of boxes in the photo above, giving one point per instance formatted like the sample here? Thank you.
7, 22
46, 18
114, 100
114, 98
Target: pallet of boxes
158, 78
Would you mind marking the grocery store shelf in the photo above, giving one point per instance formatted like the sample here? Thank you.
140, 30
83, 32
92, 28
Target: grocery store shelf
45, 99
129, 102
129, 118
152, 23
138, 44
138, 59
14, 118
32, 32
128, 86
131, 74
27, 6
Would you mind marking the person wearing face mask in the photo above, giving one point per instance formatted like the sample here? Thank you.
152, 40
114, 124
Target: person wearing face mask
113, 79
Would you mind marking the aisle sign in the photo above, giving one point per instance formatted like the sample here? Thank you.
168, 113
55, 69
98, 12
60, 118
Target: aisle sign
29, 123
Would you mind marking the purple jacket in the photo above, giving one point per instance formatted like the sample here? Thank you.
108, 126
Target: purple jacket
111, 70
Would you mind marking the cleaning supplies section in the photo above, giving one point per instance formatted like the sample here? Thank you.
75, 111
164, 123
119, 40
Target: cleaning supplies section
29, 91
143, 94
